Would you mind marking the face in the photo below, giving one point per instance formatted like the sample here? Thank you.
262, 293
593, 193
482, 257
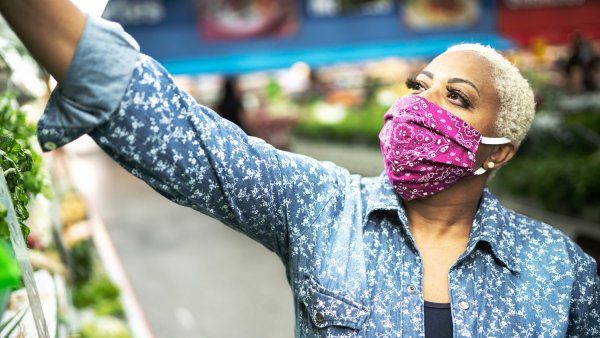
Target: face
462, 83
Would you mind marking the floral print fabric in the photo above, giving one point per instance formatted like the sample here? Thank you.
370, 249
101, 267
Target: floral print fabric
344, 239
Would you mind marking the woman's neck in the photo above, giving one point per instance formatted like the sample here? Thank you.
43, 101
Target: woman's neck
447, 216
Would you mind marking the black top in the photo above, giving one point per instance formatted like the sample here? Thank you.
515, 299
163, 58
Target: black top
438, 320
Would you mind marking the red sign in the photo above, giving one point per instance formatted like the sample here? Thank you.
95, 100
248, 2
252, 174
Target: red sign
552, 20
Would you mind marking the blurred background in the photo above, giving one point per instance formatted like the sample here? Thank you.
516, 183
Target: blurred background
313, 77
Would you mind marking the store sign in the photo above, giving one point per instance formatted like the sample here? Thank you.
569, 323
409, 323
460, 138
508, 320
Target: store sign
191, 36
233, 19
131, 12
517, 4
432, 14
332, 8
551, 21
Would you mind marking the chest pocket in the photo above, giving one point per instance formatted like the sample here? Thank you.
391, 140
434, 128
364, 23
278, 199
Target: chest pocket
328, 308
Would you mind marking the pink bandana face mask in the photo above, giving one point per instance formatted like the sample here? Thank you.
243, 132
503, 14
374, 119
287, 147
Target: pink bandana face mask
426, 148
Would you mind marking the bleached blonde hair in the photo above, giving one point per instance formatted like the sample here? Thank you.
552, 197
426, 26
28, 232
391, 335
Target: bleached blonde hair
517, 105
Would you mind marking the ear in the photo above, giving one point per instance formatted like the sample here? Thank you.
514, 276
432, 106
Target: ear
500, 155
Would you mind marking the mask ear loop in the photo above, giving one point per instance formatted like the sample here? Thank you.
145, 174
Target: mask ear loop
494, 140
490, 141
479, 171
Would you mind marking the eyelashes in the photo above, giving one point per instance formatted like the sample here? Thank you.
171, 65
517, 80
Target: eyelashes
453, 94
412, 83
458, 95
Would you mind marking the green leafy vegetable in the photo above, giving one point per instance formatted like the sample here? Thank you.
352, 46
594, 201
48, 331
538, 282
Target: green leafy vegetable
100, 294
20, 164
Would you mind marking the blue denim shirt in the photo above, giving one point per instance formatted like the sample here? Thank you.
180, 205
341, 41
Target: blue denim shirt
344, 239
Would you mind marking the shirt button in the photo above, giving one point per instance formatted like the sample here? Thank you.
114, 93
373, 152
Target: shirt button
319, 317
412, 289
463, 305
49, 145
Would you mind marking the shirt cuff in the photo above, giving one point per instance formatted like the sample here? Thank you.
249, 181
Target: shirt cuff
94, 84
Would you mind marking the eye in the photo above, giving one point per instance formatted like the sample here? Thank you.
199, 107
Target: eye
412, 83
459, 98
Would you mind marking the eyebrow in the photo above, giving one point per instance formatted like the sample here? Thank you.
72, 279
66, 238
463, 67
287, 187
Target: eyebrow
452, 80
427, 73
459, 80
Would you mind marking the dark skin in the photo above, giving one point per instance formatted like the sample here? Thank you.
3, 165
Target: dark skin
50, 29
440, 224
460, 82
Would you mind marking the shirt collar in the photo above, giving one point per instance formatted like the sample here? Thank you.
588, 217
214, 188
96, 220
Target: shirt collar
489, 225
380, 195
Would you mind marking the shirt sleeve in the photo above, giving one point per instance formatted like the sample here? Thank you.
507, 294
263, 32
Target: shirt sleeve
584, 313
129, 104
94, 84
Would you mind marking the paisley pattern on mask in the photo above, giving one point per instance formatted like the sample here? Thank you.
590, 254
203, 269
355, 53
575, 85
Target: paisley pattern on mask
426, 148
345, 241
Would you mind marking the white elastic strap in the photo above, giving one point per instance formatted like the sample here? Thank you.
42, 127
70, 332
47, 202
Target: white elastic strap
494, 140
491, 141
479, 171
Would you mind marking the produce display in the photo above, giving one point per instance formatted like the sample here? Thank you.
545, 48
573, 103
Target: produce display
93, 294
21, 165
59, 279
19, 183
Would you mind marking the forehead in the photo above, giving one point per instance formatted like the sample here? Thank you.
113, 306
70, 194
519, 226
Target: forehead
467, 65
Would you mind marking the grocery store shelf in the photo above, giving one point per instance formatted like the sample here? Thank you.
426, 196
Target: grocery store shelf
136, 318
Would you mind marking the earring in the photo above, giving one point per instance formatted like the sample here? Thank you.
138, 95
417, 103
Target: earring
491, 165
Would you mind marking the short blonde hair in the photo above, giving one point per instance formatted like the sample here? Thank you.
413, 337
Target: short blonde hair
517, 104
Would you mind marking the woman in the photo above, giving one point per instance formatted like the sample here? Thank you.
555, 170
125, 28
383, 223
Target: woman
422, 250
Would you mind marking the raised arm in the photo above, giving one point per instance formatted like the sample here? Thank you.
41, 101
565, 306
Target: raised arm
129, 104
50, 29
